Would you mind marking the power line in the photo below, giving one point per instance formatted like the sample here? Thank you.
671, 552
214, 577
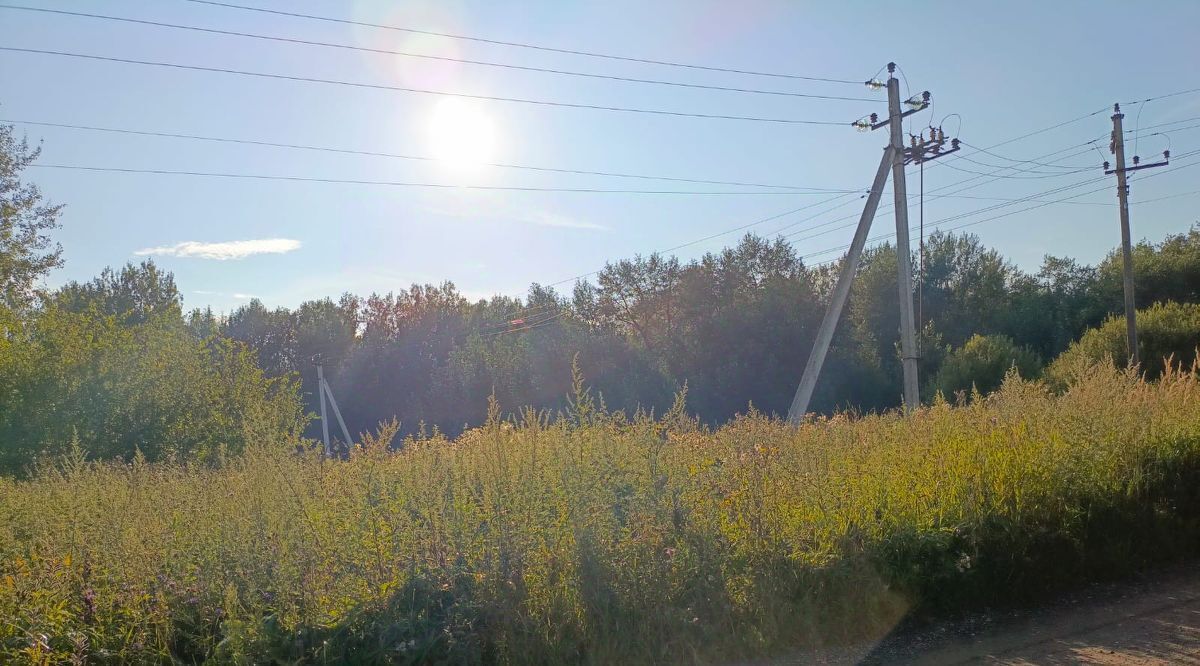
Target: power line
701, 240
1173, 122
1010, 213
531, 326
526, 311
405, 54
379, 86
1157, 97
931, 194
351, 181
985, 209
1033, 176
1085, 116
589, 54
1011, 159
369, 153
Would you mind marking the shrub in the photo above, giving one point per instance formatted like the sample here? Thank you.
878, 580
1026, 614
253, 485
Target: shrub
117, 389
981, 364
1165, 330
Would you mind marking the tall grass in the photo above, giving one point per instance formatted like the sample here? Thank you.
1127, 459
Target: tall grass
593, 537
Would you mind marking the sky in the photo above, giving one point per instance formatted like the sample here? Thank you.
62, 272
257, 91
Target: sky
996, 71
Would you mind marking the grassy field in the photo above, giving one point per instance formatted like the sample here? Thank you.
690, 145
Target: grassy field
600, 538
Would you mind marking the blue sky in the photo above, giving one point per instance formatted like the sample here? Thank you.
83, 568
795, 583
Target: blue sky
1006, 69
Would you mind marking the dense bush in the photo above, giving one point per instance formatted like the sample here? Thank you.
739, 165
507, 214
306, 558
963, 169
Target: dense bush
981, 365
116, 389
1165, 330
598, 538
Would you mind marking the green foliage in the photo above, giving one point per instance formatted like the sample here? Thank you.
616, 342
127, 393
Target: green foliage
1164, 331
27, 252
598, 538
981, 365
111, 368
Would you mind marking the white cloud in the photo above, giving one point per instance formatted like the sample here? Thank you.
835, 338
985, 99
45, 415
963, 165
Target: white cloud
243, 297
225, 250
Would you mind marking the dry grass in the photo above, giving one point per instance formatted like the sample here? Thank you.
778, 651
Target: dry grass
593, 537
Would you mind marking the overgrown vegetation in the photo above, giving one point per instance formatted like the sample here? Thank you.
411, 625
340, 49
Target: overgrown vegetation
595, 537
1166, 331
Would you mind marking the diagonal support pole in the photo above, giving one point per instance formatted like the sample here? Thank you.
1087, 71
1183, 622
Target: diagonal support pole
812, 369
337, 412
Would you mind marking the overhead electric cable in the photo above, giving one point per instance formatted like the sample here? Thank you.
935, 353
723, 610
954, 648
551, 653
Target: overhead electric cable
405, 54
525, 45
379, 86
449, 186
371, 153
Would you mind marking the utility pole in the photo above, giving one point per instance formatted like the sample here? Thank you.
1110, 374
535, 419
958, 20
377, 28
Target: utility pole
324, 418
812, 369
1118, 149
894, 158
324, 391
908, 335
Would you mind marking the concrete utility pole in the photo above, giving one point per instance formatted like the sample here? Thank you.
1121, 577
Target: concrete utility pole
895, 156
908, 334
1118, 149
812, 369
324, 418
323, 391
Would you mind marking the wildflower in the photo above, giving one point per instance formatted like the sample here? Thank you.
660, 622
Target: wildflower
670, 553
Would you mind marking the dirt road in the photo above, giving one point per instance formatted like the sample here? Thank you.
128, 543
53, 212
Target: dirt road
1154, 620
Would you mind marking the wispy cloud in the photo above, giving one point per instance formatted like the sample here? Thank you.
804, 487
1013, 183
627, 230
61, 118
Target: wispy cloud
222, 251
243, 297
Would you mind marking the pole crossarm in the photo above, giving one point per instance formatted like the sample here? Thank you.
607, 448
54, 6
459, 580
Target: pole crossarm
927, 151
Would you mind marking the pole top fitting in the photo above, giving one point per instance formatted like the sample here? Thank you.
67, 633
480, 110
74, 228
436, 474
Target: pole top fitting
1116, 108
891, 67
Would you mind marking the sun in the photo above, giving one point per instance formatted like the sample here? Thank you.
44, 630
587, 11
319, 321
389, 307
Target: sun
461, 133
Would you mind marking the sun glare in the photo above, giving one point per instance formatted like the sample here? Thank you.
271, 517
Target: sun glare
461, 134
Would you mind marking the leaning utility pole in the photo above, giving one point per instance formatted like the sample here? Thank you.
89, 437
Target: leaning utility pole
812, 369
908, 334
323, 391
1118, 148
894, 158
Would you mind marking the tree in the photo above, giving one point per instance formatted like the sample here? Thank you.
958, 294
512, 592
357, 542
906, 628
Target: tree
27, 252
1165, 330
135, 295
981, 364
117, 388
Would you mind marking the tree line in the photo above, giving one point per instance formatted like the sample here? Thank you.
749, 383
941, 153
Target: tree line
734, 327
117, 367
